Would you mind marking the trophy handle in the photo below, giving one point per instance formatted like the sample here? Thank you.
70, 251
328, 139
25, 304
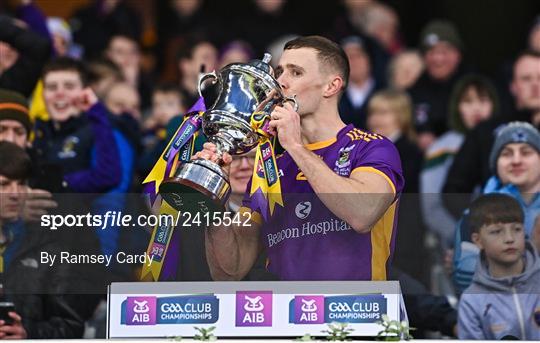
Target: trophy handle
203, 79
293, 100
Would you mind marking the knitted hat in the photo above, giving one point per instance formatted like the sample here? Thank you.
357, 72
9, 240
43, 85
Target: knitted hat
440, 31
14, 106
514, 132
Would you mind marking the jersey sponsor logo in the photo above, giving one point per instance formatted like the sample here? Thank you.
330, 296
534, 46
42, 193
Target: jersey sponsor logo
303, 209
307, 229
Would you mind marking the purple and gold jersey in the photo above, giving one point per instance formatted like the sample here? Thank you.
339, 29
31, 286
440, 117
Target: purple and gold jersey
304, 240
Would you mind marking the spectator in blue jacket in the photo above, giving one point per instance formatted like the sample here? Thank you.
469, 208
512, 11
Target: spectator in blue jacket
515, 161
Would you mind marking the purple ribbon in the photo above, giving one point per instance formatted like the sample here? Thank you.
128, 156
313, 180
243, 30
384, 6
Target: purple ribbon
181, 138
259, 202
172, 258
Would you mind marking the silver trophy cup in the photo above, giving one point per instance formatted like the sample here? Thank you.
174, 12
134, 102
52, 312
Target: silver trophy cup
243, 90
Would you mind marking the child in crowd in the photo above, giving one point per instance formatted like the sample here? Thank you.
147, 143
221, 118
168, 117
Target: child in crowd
167, 103
504, 297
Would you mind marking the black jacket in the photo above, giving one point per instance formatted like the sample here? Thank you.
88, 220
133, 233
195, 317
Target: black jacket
38, 291
356, 115
430, 99
427, 312
411, 162
34, 52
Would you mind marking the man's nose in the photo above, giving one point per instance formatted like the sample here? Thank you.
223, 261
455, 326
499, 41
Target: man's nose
282, 82
10, 136
516, 158
244, 162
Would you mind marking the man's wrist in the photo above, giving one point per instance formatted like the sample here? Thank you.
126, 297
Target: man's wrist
295, 149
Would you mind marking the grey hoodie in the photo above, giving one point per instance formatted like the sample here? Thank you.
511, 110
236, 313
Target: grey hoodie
492, 308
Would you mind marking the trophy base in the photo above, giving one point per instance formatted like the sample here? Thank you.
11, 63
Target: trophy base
197, 186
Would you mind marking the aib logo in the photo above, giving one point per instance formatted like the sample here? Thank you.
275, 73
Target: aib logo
254, 308
141, 311
309, 309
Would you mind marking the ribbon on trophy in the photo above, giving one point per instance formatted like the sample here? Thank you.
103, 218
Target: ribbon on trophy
164, 238
265, 192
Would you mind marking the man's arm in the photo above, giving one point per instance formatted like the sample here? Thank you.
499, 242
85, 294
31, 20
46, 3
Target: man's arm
107, 172
231, 251
360, 200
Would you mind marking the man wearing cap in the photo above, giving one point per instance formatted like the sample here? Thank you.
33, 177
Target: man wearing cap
362, 85
441, 46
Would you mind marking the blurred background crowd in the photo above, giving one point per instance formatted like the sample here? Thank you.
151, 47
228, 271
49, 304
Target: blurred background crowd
92, 90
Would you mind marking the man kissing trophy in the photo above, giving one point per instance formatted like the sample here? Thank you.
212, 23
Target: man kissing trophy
236, 122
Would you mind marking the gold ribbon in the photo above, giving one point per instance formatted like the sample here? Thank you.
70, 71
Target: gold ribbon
265, 172
159, 243
162, 234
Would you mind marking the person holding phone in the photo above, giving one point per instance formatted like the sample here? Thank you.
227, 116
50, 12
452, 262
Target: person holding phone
32, 304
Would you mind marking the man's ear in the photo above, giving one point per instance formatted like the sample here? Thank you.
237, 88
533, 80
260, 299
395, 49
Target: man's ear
333, 87
475, 237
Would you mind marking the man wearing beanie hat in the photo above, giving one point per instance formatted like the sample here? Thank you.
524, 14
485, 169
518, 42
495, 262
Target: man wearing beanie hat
15, 127
15, 124
515, 162
442, 52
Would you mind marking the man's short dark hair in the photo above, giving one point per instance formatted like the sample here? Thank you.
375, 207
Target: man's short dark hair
328, 52
123, 35
494, 209
525, 53
67, 64
15, 163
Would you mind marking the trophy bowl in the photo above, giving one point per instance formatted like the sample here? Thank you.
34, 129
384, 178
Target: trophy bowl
243, 90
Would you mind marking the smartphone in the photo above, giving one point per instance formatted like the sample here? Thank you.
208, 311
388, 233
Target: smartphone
5, 308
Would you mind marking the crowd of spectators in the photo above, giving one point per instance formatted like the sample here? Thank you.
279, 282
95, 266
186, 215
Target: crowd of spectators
87, 106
